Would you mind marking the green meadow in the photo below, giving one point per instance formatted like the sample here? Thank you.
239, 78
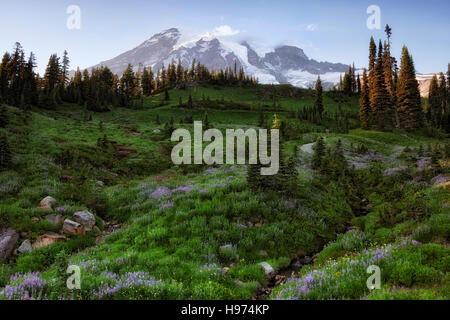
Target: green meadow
202, 232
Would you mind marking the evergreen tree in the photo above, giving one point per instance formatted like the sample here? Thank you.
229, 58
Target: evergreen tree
442, 100
372, 54
4, 80
434, 103
409, 105
353, 79
358, 84
128, 83
52, 74
64, 70
347, 83
319, 99
319, 153
380, 101
364, 102
145, 83
388, 70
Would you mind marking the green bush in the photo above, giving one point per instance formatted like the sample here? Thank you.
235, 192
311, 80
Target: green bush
5, 272
353, 241
41, 258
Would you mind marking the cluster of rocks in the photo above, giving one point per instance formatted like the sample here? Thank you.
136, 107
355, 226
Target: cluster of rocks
254, 222
78, 224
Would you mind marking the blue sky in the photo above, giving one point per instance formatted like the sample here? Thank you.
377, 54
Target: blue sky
328, 30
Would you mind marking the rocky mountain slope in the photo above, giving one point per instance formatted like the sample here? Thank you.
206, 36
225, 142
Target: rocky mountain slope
285, 64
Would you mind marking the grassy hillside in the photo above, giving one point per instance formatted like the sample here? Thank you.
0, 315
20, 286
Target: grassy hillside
198, 232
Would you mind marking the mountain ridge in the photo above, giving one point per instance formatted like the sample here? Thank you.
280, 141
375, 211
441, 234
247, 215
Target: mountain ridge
284, 64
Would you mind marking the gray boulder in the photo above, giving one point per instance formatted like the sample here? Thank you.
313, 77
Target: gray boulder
267, 268
25, 247
8, 239
54, 219
73, 228
85, 218
47, 203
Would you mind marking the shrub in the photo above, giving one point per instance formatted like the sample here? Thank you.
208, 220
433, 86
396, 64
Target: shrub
352, 241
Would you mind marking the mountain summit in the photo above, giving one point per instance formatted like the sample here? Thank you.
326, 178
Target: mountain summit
284, 64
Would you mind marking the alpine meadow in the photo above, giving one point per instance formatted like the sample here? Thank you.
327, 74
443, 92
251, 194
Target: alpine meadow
202, 167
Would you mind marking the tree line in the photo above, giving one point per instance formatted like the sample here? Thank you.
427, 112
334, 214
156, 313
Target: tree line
438, 106
390, 97
100, 89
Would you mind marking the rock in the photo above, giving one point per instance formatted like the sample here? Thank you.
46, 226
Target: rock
156, 131
47, 239
267, 268
47, 203
54, 219
35, 219
25, 246
8, 239
85, 218
225, 270
73, 228
225, 247
239, 283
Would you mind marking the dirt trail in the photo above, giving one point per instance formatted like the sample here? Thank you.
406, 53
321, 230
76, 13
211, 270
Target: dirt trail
308, 148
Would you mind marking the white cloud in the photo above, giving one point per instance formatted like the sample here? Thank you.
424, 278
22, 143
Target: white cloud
223, 31
190, 37
311, 27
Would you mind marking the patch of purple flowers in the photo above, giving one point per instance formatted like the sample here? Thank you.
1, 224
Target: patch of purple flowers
124, 282
28, 286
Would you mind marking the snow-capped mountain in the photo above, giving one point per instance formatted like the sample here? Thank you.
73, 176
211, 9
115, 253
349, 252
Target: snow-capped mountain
284, 64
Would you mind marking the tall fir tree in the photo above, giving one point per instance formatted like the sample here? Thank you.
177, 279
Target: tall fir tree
380, 101
409, 107
319, 153
319, 96
443, 99
364, 102
372, 54
434, 103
